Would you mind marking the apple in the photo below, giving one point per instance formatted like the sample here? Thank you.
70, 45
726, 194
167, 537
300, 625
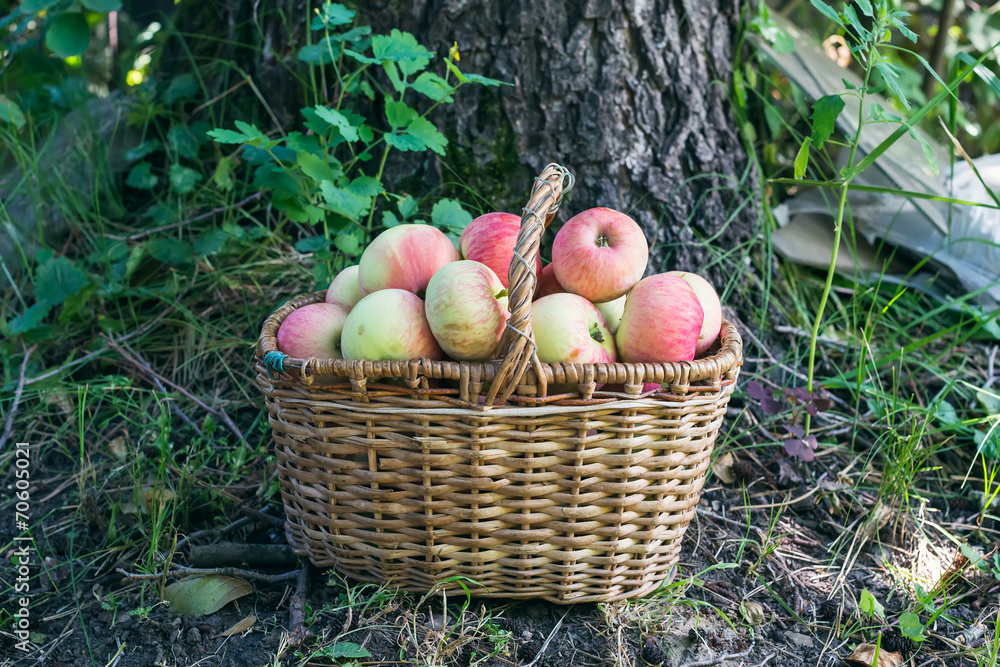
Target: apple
568, 328
547, 283
466, 307
313, 331
599, 254
389, 325
661, 322
490, 239
345, 290
612, 312
404, 257
709, 300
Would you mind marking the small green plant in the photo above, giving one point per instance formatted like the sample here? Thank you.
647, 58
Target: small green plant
319, 177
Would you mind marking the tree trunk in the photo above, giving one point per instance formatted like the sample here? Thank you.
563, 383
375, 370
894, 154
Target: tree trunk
630, 95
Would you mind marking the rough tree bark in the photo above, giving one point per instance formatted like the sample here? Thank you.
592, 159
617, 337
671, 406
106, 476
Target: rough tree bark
631, 95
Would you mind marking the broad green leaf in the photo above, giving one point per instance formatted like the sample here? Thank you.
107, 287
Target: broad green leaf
103, 6
312, 244
343, 650
67, 34
338, 120
142, 150
347, 203
181, 88
316, 167
389, 219
315, 54
827, 11
450, 213
331, 15
407, 206
10, 112
484, 80
401, 47
802, 158
182, 142
223, 176
366, 186
866, 7
907, 33
397, 81
349, 244
946, 414
976, 559
29, 319
990, 400
432, 86
398, 113
928, 150
352, 35
227, 136
199, 596
361, 58
404, 142
142, 177
824, 118
855, 23
57, 279
170, 251
32, 6
890, 78
871, 606
423, 130
183, 179
988, 442
910, 626
210, 242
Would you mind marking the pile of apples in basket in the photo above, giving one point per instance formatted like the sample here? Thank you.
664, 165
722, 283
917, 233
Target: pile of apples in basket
414, 295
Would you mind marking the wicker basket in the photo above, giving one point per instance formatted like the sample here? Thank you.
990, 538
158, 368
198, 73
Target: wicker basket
420, 472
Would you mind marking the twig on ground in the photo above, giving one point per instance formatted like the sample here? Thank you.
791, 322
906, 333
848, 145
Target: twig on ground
257, 515
548, 640
235, 553
188, 221
133, 358
181, 571
9, 425
723, 658
298, 632
212, 532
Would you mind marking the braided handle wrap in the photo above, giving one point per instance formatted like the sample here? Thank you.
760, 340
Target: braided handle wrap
518, 341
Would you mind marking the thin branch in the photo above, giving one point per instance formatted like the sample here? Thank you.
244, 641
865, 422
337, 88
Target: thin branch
723, 658
213, 532
188, 221
9, 426
298, 632
181, 571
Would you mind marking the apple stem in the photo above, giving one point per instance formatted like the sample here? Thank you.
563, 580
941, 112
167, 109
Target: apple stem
595, 333
602, 241
501, 294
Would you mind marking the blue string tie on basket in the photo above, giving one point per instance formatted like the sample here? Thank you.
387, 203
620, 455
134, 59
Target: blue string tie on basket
274, 361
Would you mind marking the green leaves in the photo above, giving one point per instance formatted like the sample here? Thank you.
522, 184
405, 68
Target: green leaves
245, 134
349, 204
802, 158
142, 177
432, 86
824, 118
827, 11
103, 6
910, 626
398, 114
10, 112
198, 596
68, 34
180, 88
890, 77
332, 14
450, 214
869, 606
58, 279
403, 48
343, 650
338, 120
183, 179
420, 135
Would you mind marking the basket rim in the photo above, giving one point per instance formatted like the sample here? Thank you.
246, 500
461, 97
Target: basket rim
676, 373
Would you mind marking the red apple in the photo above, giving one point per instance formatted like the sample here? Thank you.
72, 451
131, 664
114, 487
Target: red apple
661, 321
389, 325
709, 300
568, 328
404, 257
345, 290
466, 307
612, 312
313, 331
490, 240
599, 254
547, 283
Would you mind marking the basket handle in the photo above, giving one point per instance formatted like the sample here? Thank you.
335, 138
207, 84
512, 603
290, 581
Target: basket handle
518, 341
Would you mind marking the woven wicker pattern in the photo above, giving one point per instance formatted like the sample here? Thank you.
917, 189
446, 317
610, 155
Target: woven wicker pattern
415, 472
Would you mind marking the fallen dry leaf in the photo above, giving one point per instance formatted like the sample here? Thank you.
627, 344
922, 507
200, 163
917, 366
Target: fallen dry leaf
200, 596
723, 468
864, 655
239, 628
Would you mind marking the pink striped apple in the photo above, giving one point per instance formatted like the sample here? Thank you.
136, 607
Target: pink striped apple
404, 257
599, 254
490, 239
568, 328
389, 325
466, 307
345, 290
313, 331
661, 322
709, 300
547, 283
